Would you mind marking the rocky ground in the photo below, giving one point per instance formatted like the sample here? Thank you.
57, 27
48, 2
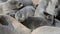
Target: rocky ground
29, 17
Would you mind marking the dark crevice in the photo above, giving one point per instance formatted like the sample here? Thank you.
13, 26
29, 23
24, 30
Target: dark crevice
3, 21
58, 15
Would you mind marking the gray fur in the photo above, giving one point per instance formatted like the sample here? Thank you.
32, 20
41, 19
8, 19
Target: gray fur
26, 2
35, 22
24, 13
1, 1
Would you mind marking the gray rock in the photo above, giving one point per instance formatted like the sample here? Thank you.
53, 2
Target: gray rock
57, 13
46, 30
9, 25
41, 8
9, 7
51, 7
1, 1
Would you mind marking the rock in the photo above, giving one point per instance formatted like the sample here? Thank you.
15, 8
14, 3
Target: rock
41, 8
57, 13
11, 26
51, 7
46, 30
10, 7
2, 1
35, 2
